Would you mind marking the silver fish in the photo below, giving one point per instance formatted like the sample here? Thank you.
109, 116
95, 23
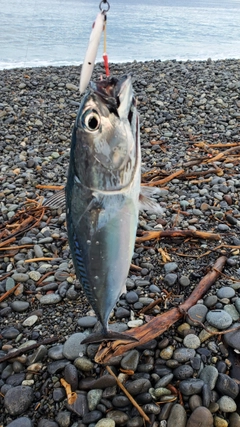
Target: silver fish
102, 194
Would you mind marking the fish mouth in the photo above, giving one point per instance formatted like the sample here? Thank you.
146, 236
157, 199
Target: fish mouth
115, 93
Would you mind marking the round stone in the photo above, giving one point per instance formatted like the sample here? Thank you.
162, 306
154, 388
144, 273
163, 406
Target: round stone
72, 348
34, 275
209, 375
50, 299
191, 386
200, 417
220, 319
183, 354
18, 399
130, 360
87, 321
233, 338
83, 364
225, 292
191, 341
197, 313
227, 404
177, 417
19, 306
30, 320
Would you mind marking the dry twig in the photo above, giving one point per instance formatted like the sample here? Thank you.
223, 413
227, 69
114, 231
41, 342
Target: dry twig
161, 323
133, 401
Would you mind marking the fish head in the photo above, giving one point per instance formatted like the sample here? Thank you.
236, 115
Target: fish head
105, 145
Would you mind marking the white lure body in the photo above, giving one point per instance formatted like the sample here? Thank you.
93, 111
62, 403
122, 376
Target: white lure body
91, 53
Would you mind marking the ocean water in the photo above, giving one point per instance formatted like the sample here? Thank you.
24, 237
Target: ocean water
56, 32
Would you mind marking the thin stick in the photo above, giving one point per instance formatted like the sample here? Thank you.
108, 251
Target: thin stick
50, 187
148, 235
39, 259
6, 294
164, 180
29, 348
16, 247
133, 401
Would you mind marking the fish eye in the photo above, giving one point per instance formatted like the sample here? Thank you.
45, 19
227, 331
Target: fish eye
91, 120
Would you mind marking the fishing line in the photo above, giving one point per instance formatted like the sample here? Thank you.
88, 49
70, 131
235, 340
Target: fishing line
30, 33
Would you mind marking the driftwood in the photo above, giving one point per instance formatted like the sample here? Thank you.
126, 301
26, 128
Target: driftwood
161, 323
21, 351
148, 235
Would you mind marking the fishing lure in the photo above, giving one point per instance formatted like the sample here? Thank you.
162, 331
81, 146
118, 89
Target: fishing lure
88, 64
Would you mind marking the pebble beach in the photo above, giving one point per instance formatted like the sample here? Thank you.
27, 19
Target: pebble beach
190, 137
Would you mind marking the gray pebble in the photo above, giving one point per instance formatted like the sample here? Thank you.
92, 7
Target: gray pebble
183, 372
119, 417
195, 401
56, 352
19, 306
50, 299
227, 386
10, 283
30, 321
209, 375
225, 292
210, 301
138, 386
83, 364
87, 321
131, 297
164, 381
191, 386
92, 417
10, 333
71, 376
20, 277
18, 399
183, 354
130, 360
169, 267
191, 341
197, 313
57, 366
73, 347
237, 304
232, 311
206, 395
184, 281
200, 417
94, 397
63, 418
38, 251
80, 406
21, 422
220, 319
227, 404
170, 279
34, 275
177, 417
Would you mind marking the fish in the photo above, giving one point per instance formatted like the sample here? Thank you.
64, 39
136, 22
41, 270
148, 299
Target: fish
103, 195
102, 191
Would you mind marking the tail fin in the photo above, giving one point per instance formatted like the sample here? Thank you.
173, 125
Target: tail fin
107, 336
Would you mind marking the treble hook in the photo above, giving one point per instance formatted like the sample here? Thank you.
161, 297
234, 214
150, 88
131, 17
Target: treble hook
103, 9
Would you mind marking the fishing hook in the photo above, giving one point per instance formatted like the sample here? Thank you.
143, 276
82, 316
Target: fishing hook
104, 2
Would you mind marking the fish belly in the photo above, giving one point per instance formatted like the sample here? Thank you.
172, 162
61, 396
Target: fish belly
102, 241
